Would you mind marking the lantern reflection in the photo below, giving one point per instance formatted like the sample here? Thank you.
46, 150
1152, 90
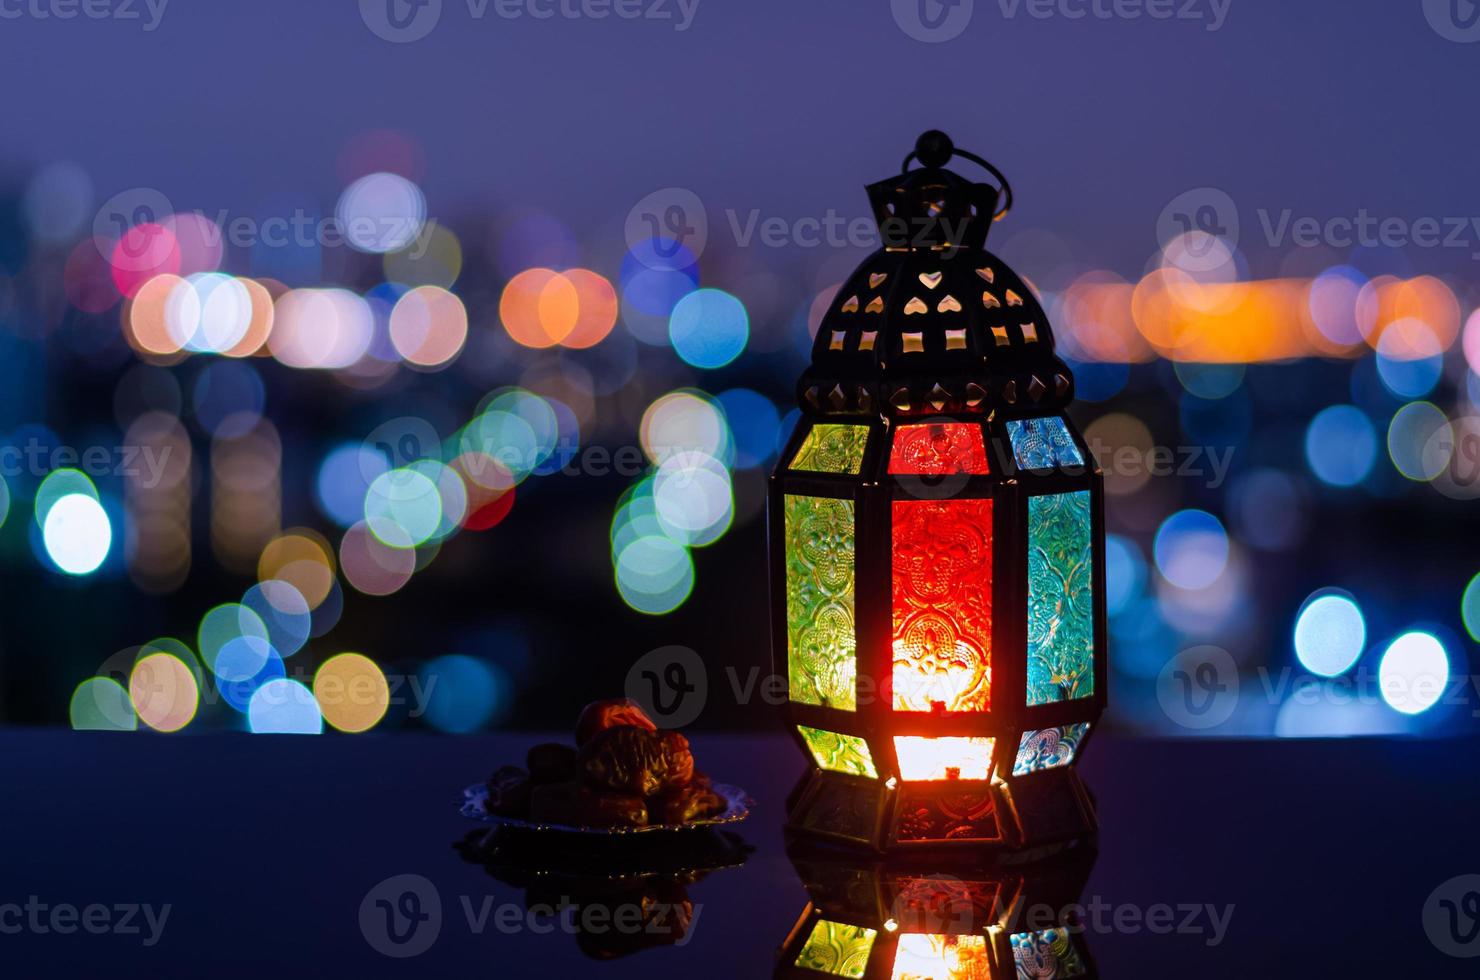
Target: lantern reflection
871, 919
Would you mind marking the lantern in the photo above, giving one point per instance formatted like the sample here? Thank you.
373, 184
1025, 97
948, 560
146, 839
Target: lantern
881, 921
937, 544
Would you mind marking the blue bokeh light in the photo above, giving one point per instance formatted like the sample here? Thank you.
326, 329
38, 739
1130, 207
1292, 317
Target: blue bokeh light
238, 693
284, 707
1341, 445
708, 328
463, 694
1191, 549
754, 422
1330, 634
343, 480
1125, 573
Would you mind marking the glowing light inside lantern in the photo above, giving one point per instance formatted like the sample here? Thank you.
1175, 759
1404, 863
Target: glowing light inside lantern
944, 758
941, 958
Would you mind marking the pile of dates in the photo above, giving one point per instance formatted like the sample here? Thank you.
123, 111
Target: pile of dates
622, 772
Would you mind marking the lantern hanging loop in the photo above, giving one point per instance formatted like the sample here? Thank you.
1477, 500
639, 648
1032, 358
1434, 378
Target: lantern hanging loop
934, 150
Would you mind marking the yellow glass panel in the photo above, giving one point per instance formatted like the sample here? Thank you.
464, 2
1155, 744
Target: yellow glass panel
837, 949
836, 752
820, 643
832, 448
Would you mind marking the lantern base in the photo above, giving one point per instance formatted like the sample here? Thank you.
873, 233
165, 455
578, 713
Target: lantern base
1033, 816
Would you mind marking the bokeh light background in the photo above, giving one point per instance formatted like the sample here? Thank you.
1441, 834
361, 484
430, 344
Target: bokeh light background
438, 410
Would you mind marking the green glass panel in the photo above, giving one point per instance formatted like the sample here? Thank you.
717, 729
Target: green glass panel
839, 753
1061, 656
832, 448
837, 949
819, 601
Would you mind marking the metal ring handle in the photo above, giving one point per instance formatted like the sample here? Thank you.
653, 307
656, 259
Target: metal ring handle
1005, 187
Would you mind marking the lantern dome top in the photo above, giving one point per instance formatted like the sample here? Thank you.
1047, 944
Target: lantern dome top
932, 323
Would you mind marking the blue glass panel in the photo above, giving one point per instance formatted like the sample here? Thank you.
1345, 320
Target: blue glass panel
1043, 443
1047, 955
1049, 748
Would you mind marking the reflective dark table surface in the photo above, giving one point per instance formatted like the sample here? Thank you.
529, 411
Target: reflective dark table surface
238, 856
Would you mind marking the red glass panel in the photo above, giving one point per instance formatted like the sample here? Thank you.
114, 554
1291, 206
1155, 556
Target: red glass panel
939, 449
942, 605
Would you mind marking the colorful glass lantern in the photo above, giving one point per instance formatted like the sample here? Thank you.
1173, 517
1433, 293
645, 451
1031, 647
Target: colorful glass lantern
937, 544
880, 921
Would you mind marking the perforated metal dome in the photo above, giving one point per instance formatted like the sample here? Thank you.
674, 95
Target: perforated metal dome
932, 323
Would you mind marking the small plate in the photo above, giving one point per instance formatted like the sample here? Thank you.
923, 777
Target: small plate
738, 804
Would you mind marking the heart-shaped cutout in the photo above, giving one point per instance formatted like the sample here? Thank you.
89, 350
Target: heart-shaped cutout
876, 278
987, 274
851, 306
990, 302
915, 305
875, 305
949, 305
930, 279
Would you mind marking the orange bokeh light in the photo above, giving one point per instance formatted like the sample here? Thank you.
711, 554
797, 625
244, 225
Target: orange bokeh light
596, 309
1409, 318
260, 326
539, 308
145, 325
